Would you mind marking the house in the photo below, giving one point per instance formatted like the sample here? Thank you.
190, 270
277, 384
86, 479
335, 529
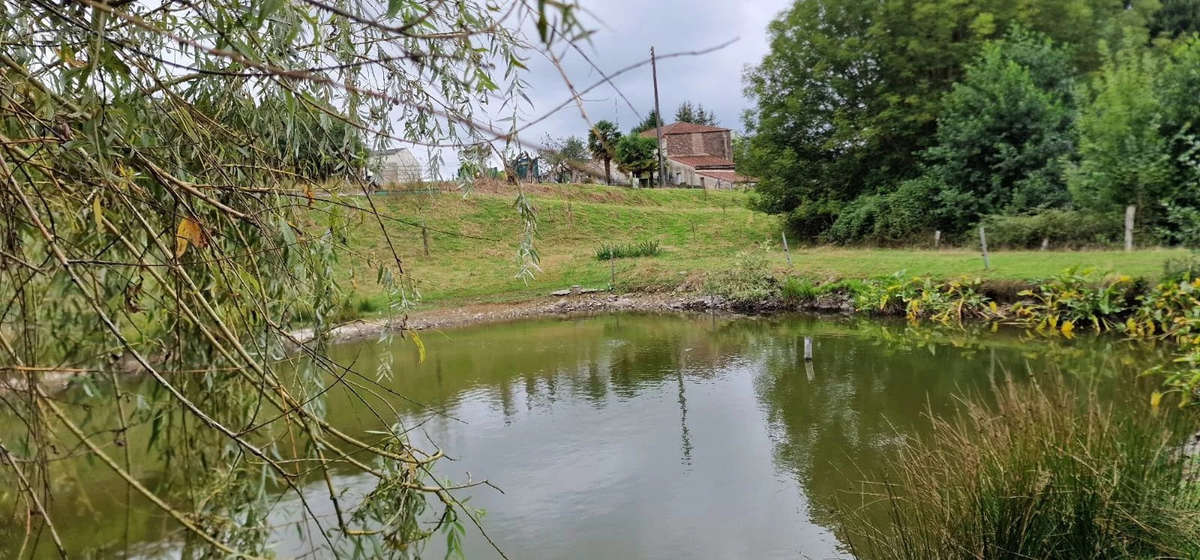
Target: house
397, 165
699, 156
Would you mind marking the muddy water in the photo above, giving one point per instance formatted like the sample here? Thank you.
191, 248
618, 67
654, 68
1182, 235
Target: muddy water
648, 436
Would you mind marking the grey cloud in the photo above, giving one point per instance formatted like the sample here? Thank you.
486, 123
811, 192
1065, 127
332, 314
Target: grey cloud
625, 31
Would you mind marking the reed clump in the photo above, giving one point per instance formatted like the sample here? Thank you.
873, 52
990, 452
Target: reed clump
1037, 471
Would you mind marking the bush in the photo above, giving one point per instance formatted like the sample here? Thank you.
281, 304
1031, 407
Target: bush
748, 281
799, 290
897, 217
1063, 228
643, 249
1078, 298
1039, 474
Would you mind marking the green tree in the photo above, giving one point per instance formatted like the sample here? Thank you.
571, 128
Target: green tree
695, 114
1175, 18
637, 156
159, 215
847, 98
1003, 132
1124, 157
558, 156
650, 122
602, 143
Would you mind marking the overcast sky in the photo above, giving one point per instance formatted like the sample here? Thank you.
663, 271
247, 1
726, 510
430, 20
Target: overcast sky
624, 32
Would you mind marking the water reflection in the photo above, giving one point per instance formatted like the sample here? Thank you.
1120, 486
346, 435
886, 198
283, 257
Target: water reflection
666, 436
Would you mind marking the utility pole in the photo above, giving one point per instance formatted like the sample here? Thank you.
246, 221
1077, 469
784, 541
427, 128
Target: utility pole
658, 120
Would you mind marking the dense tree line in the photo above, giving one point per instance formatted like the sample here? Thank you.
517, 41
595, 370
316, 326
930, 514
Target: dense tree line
882, 121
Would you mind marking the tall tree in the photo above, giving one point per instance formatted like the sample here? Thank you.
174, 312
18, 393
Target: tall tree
1124, 157
1004, 131
695, 114
602, 143
647, 123
848, 96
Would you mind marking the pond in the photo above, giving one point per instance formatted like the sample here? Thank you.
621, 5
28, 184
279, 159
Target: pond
651, 436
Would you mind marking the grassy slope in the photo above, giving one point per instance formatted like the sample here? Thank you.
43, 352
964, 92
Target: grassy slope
699, 233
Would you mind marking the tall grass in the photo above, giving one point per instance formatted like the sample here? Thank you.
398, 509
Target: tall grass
1038, 473
648, 248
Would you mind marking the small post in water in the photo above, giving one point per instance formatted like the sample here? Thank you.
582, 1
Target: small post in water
1130, 211
786, 251
808, 349
987, 263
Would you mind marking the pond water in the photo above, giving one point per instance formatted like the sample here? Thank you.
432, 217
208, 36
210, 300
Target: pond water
656, 436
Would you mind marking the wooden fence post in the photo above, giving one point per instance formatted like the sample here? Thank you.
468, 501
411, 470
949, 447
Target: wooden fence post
786, 251
1045, 243
987, 263
937, 239
425, 239
808, 349
1130, 211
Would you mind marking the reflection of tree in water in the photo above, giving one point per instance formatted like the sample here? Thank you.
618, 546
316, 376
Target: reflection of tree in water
874, 381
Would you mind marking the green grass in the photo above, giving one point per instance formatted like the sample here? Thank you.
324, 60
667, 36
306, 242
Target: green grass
1036, 470
609, 251
474, 242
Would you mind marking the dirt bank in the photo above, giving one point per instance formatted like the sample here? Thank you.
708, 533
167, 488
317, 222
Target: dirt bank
485, 313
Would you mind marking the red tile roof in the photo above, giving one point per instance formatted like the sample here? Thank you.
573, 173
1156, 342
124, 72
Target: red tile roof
682, 128
700, 162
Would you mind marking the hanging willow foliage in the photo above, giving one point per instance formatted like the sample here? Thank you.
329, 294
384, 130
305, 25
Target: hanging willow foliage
157, 172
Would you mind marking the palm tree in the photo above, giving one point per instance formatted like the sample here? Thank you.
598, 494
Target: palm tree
602, 142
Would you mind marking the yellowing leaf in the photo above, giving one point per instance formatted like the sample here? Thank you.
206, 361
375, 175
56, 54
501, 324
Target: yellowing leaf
97, 212
69, 58
188, 232
1068, 329
1155, 399
416, 338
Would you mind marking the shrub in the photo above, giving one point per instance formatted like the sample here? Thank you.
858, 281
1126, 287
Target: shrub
924, 298
748, 281
894, 218
799, 290
1038, 474
648, 248
1183, 269
1078, 298
1062, 228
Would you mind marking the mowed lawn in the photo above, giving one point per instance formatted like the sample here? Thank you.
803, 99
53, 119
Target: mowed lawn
474, 240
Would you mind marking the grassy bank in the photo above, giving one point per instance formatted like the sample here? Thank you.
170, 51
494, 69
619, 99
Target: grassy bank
473, 243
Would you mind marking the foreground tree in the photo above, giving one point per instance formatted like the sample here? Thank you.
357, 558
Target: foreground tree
154, 219
602, 143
